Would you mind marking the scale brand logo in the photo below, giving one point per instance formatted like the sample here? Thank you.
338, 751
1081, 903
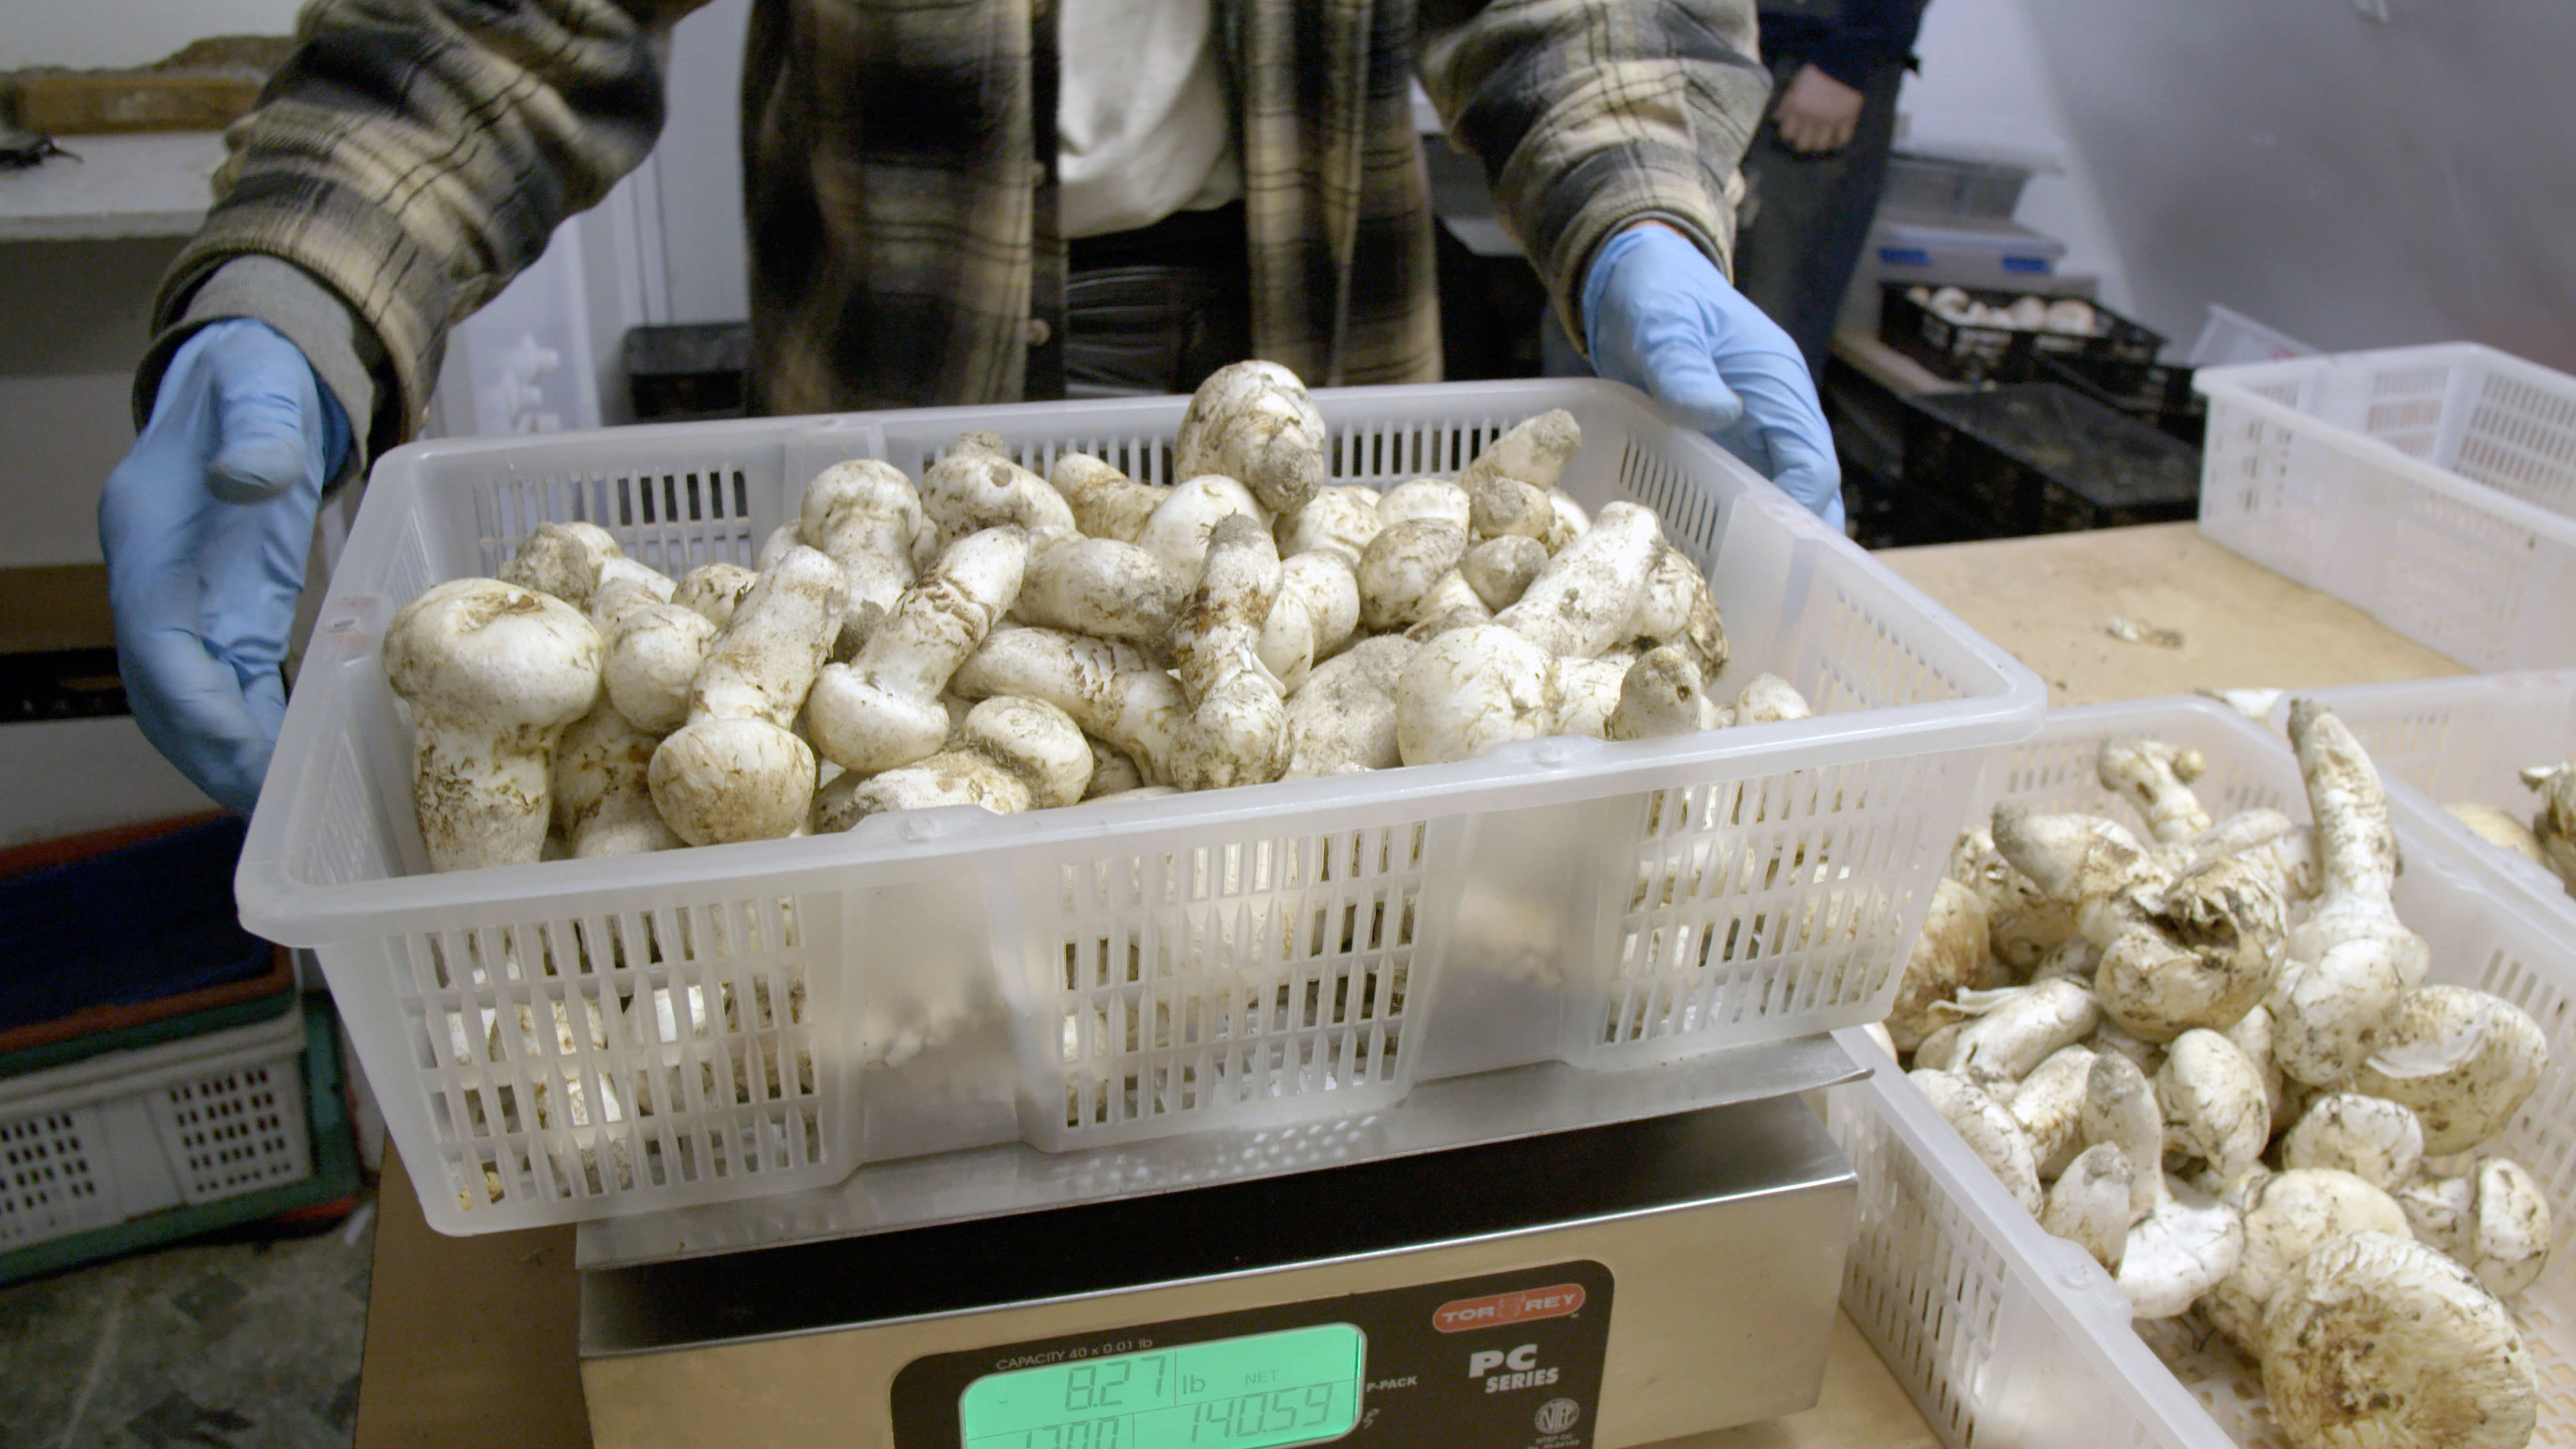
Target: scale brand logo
1556, 1416
1518, 1306
1521, 1367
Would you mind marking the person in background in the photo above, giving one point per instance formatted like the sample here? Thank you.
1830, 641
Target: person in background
1816, 170
1236, 178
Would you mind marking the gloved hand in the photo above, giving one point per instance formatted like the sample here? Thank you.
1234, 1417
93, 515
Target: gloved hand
1658, 316
206, 526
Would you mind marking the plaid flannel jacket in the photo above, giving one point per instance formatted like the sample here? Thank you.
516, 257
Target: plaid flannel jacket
414, 155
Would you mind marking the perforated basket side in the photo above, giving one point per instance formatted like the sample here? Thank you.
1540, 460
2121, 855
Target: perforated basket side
633, 1052
2434, 487
1238, 979
2000, 1334
1766, 898
55, 1178
125, 1134
238, 1130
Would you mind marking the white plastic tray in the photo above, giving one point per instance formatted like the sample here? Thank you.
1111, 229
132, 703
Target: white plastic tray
2441, 741
126, 1134
2008, 1338
2434, 487
1237, 958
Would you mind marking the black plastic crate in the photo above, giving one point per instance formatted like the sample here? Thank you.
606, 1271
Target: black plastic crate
1969, 353
2038, 458
2158, 394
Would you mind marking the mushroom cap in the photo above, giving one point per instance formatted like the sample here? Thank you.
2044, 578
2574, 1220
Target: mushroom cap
2441, 1210
2373, 1138
2120, 1108
1341, 519
1177, 530
2088, 1204
2375, 1341
562, 559
1500, 569
1988, 1129
1660, 695
2286, 1217
653, 659
2497, 827
2510, 1241
2463, 1059
1534, 450
1402, 564
1947, 957
1469, 690
714, 589
2202, 953
508, 657
1254, 421
1037, 742
1426, 498
733, 778
2213, 1101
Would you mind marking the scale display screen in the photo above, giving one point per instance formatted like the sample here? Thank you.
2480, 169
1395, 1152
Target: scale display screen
1259, 1391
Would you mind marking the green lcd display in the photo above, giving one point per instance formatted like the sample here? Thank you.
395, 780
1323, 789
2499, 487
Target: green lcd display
1260, 1391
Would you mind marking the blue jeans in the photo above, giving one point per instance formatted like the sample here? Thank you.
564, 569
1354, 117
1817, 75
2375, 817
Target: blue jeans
1809, 215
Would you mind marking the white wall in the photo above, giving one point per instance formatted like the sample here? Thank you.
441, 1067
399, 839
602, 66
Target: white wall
90, 34
2356, 173
1985, 90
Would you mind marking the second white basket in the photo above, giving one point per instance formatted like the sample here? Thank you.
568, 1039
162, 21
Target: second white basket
126, 1134
2434, 487
2005, 1336
592, 1037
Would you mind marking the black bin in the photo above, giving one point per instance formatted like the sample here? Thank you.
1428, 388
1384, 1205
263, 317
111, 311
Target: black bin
2036, 458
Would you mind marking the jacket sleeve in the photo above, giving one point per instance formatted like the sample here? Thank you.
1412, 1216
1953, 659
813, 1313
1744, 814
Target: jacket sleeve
1590, 114
412, 156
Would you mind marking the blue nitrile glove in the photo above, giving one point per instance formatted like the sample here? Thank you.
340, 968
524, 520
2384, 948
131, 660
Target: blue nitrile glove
206, 525
1659, 316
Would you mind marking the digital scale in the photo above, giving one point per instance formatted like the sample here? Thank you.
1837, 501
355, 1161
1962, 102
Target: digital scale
1538, 1258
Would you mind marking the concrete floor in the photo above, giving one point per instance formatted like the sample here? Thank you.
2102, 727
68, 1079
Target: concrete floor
239, 1341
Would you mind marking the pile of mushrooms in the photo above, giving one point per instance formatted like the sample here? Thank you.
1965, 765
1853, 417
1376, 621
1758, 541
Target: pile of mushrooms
2210, 1058
990, 637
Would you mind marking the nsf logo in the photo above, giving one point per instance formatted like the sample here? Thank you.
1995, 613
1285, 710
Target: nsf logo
1556, 1416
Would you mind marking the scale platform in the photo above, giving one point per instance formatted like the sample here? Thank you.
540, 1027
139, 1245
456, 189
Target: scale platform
1637, 1277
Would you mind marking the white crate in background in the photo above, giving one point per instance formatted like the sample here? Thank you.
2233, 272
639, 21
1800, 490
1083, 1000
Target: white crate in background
1117, 970
2005, 1336
2434, 487
126, 1134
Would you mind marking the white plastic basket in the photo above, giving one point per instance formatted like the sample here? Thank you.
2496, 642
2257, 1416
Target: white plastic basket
125, 1134
2005, 1336
2434, 487
1118, 970
2442, 741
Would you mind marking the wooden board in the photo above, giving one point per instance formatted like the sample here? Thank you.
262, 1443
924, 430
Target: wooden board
92, 103
2050, 601
469, 1340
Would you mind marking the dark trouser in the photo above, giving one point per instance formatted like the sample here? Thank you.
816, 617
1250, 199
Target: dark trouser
1810, 215
1157, 309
